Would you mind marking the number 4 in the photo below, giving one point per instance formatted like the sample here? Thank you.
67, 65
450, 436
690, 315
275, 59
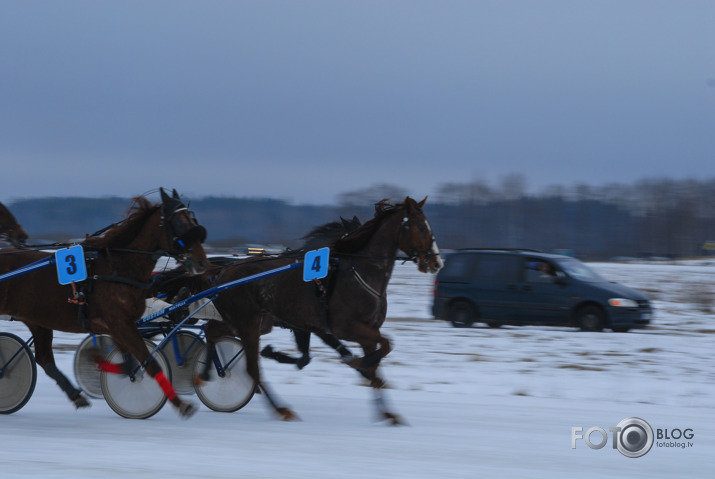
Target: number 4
315, 264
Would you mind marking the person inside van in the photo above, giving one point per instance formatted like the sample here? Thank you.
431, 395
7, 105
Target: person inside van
539, 272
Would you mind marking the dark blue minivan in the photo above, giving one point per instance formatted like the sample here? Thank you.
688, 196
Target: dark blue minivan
523, 287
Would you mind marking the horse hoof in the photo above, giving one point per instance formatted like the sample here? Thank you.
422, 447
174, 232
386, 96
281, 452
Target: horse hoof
286, 414
394, 419
303, 361
80, 402
186, 410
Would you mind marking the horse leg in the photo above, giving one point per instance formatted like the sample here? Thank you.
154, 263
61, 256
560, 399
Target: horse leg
46, 359
251, 344
302, 341
186, 409
375, 347
368, 368
131, 341
331, 340
250, 337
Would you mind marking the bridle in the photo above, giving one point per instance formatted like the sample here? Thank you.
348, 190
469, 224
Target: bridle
413, 254
181, 236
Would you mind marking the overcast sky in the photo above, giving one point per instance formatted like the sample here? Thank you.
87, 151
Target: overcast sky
303, 100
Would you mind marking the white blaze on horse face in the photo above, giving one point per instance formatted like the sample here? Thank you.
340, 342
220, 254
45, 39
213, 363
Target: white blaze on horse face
435, 251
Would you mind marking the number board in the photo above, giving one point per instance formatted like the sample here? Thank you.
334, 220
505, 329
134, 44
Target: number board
70, 265
315, 264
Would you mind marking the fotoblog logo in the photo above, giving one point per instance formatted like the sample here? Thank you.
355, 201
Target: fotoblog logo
633, 437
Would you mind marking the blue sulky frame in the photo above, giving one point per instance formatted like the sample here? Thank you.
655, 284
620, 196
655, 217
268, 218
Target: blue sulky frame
212, 294
317, 266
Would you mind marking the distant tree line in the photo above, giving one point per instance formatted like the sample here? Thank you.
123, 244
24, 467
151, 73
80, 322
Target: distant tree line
653, 217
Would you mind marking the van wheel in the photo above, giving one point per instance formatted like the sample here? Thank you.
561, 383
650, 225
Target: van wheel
621, 329
590, 318
461, 314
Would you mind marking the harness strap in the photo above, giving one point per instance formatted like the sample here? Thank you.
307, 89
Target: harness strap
330, 339
80, 299
155, 255
120, 279
364, 284
323, 297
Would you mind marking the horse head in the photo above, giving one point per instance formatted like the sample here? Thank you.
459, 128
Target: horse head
9, 229
416, 238
183, 235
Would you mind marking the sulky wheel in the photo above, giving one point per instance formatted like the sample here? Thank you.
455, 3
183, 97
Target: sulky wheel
85, 368
181, 352
231, 389
18, 373
139, 397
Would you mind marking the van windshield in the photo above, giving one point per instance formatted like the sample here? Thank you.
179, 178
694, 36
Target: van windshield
580, 271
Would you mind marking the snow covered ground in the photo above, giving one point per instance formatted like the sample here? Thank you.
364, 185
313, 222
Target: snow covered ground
480, 402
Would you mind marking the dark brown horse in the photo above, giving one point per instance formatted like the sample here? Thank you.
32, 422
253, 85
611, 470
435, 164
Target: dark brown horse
320, 237
10, 230
177, 285
350, 304
111, 300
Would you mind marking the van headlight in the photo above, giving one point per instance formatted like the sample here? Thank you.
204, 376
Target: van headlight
622, 303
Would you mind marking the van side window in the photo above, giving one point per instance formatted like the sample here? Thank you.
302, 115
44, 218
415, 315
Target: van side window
497, 267
458, 266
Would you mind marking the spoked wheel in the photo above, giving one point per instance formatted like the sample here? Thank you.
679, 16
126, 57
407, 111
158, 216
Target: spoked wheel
229, 386
181, 351
139, 397
18, 373
85, 368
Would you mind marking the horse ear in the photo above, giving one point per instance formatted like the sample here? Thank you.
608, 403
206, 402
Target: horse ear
422, 203
350, 225
164, 196
176, 195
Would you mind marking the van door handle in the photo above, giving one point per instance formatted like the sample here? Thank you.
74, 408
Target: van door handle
527, 288
511, 287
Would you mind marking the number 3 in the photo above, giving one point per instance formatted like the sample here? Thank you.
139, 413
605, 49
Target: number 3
72, 268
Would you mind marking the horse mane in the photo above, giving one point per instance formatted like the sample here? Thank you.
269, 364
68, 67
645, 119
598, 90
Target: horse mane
6, 212
324, 235
354, 241
122, 233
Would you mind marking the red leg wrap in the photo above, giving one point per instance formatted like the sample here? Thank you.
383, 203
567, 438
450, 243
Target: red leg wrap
165, 386
108, 367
